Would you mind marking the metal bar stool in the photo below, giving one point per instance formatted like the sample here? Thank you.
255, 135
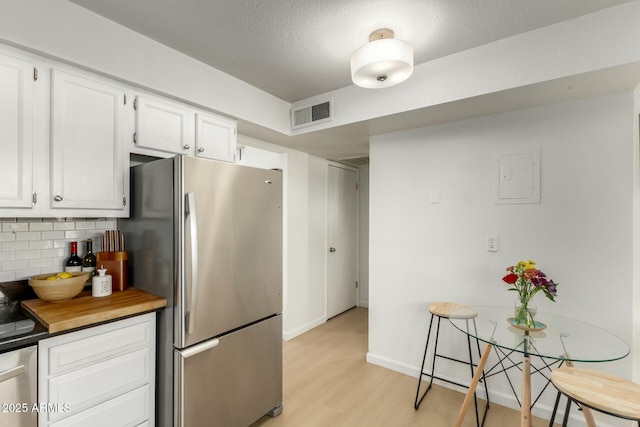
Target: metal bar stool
596, 390
442, 310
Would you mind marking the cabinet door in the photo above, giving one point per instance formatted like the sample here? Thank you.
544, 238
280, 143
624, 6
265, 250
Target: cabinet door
163, 125
87, 143
215, 137
16, 133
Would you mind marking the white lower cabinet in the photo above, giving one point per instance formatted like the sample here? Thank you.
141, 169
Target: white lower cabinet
100, 376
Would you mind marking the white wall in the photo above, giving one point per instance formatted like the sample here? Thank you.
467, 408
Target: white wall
635, 351
580, 234
305, 237
363, 236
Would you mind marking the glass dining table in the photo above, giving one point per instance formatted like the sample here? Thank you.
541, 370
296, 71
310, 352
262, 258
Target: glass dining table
554, 339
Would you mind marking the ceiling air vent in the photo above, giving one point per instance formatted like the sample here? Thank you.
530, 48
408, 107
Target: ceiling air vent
311, 115
355, 161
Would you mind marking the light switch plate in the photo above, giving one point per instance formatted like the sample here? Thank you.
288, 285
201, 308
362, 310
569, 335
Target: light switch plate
434, 196
492, 243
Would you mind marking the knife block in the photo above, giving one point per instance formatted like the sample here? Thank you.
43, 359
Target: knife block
116, 265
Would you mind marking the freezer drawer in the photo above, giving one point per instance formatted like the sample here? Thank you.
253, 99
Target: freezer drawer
231, 381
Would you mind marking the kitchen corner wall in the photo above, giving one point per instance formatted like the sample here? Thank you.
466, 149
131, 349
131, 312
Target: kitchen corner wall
31, 246
580, 234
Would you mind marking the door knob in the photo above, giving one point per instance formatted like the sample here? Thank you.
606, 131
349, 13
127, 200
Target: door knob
332, 249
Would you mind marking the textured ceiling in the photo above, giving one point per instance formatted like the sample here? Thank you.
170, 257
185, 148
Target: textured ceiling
295, 49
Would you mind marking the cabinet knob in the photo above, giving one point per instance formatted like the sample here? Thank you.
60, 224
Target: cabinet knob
58, 198
186, 146
201, 150
332, 249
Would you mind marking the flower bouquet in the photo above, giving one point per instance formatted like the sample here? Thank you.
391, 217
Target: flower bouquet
527, 281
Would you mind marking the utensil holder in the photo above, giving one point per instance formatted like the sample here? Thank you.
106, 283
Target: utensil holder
116, 264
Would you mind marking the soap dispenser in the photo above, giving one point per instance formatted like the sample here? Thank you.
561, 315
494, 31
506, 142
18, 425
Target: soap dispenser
101, 284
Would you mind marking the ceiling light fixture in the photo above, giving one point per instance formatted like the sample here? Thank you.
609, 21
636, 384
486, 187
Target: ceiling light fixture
382, 62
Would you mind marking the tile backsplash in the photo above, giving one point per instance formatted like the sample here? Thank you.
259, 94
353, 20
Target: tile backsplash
31, 246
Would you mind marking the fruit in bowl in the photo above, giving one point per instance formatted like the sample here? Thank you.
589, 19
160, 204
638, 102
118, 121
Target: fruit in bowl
58, 287
61, 275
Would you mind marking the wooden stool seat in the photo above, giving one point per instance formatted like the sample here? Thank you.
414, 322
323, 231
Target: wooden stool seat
597, 390
444, 309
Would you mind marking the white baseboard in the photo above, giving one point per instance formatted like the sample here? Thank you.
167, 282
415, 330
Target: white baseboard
363, 304
403, 368
500, 398
287, 335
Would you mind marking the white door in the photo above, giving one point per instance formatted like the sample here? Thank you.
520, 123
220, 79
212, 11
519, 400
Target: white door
342, 239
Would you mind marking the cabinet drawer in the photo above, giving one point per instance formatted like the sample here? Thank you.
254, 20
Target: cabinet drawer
72, 351
100, 382
130, 409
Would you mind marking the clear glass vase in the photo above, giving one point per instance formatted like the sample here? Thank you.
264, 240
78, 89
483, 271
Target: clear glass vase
525, 313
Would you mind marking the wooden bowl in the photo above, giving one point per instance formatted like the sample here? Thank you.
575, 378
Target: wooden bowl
58, 290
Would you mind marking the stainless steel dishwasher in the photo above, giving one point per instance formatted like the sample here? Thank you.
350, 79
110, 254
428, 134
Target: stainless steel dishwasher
18, 387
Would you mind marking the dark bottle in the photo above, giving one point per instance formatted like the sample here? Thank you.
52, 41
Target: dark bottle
74, 262
89, 260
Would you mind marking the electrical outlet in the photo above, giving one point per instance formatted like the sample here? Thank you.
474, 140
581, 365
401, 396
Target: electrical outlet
492, 243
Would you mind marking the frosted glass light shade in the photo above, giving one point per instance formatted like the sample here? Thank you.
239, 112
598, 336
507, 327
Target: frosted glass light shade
382, 63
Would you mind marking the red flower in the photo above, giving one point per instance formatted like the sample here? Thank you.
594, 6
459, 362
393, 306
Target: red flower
510, 278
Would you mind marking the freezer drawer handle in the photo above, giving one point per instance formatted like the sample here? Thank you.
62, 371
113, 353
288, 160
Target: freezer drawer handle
11, 373
199, 348
193, 236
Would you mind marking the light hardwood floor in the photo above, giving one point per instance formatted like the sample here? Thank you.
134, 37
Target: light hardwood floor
327, 382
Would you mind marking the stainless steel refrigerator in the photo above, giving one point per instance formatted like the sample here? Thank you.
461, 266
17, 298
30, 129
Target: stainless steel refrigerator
207, 236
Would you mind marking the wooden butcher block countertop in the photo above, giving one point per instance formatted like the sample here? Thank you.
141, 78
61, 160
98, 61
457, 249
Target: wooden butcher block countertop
86, 310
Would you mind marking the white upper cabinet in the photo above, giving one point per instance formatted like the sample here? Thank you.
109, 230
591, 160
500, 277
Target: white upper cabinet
163, 125
66, 136
16, 132
87, 144
215, 137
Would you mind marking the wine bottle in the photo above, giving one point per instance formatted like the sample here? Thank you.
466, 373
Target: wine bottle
89, 259
74, 262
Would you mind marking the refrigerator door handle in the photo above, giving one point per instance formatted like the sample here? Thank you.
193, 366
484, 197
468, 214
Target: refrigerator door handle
193, 238
199, 348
